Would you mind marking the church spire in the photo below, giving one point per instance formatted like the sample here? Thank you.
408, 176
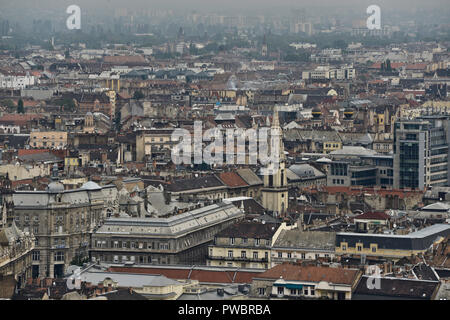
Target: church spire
276, 129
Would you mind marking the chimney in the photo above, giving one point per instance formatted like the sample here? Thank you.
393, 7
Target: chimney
300, 222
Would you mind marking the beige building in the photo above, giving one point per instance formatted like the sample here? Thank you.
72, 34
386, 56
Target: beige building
148, 139
296, 245
243, 245
393, 246
294, 281
151, 286
15, 253
48, 139
20, 172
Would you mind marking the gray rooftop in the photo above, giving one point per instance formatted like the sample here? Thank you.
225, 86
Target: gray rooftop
306, 240
128, 279
174, 225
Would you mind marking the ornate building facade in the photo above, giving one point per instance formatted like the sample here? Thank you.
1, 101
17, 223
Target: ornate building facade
62, 222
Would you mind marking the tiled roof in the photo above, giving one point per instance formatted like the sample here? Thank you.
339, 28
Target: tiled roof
306, 239
124, 59
18, 118
396, 287
251, 206
232, 179
249, 177
203, 276
209, 181
401, 193
249, 230
295, 272
22, 152
373, 216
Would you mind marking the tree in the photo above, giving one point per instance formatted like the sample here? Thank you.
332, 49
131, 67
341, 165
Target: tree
340, 44
117, 121
20, 108
138, 95
9, 103
68, 105
388, 65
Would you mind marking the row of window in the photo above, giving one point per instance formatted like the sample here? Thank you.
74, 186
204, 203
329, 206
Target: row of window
131, 245
338, 181
245, 241
306, 291
244, 254
45, 144
136, 259
302, 255
331, 145
57, 256
359, 247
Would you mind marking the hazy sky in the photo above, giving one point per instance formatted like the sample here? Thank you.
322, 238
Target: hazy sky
199, 4
44, 9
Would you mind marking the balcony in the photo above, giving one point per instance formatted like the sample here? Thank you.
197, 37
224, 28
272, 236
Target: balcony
248, 259
60, 246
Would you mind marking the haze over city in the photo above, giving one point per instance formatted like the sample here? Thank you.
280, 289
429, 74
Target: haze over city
247, 150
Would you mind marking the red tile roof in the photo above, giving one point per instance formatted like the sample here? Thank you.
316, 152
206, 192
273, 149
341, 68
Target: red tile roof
296, 272
19, 119
205, 276
394, 65
232, 179
17, 183
373, 216
401, 193
23, 152
124, 59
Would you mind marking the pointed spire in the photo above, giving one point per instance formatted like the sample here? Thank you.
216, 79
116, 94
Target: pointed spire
276, 120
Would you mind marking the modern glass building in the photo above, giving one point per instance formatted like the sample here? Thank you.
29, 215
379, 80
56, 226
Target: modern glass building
421, 152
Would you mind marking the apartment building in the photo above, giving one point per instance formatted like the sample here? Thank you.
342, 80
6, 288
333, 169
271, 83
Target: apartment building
390, 245
243, 245
297, 245
48, 139
294, 281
